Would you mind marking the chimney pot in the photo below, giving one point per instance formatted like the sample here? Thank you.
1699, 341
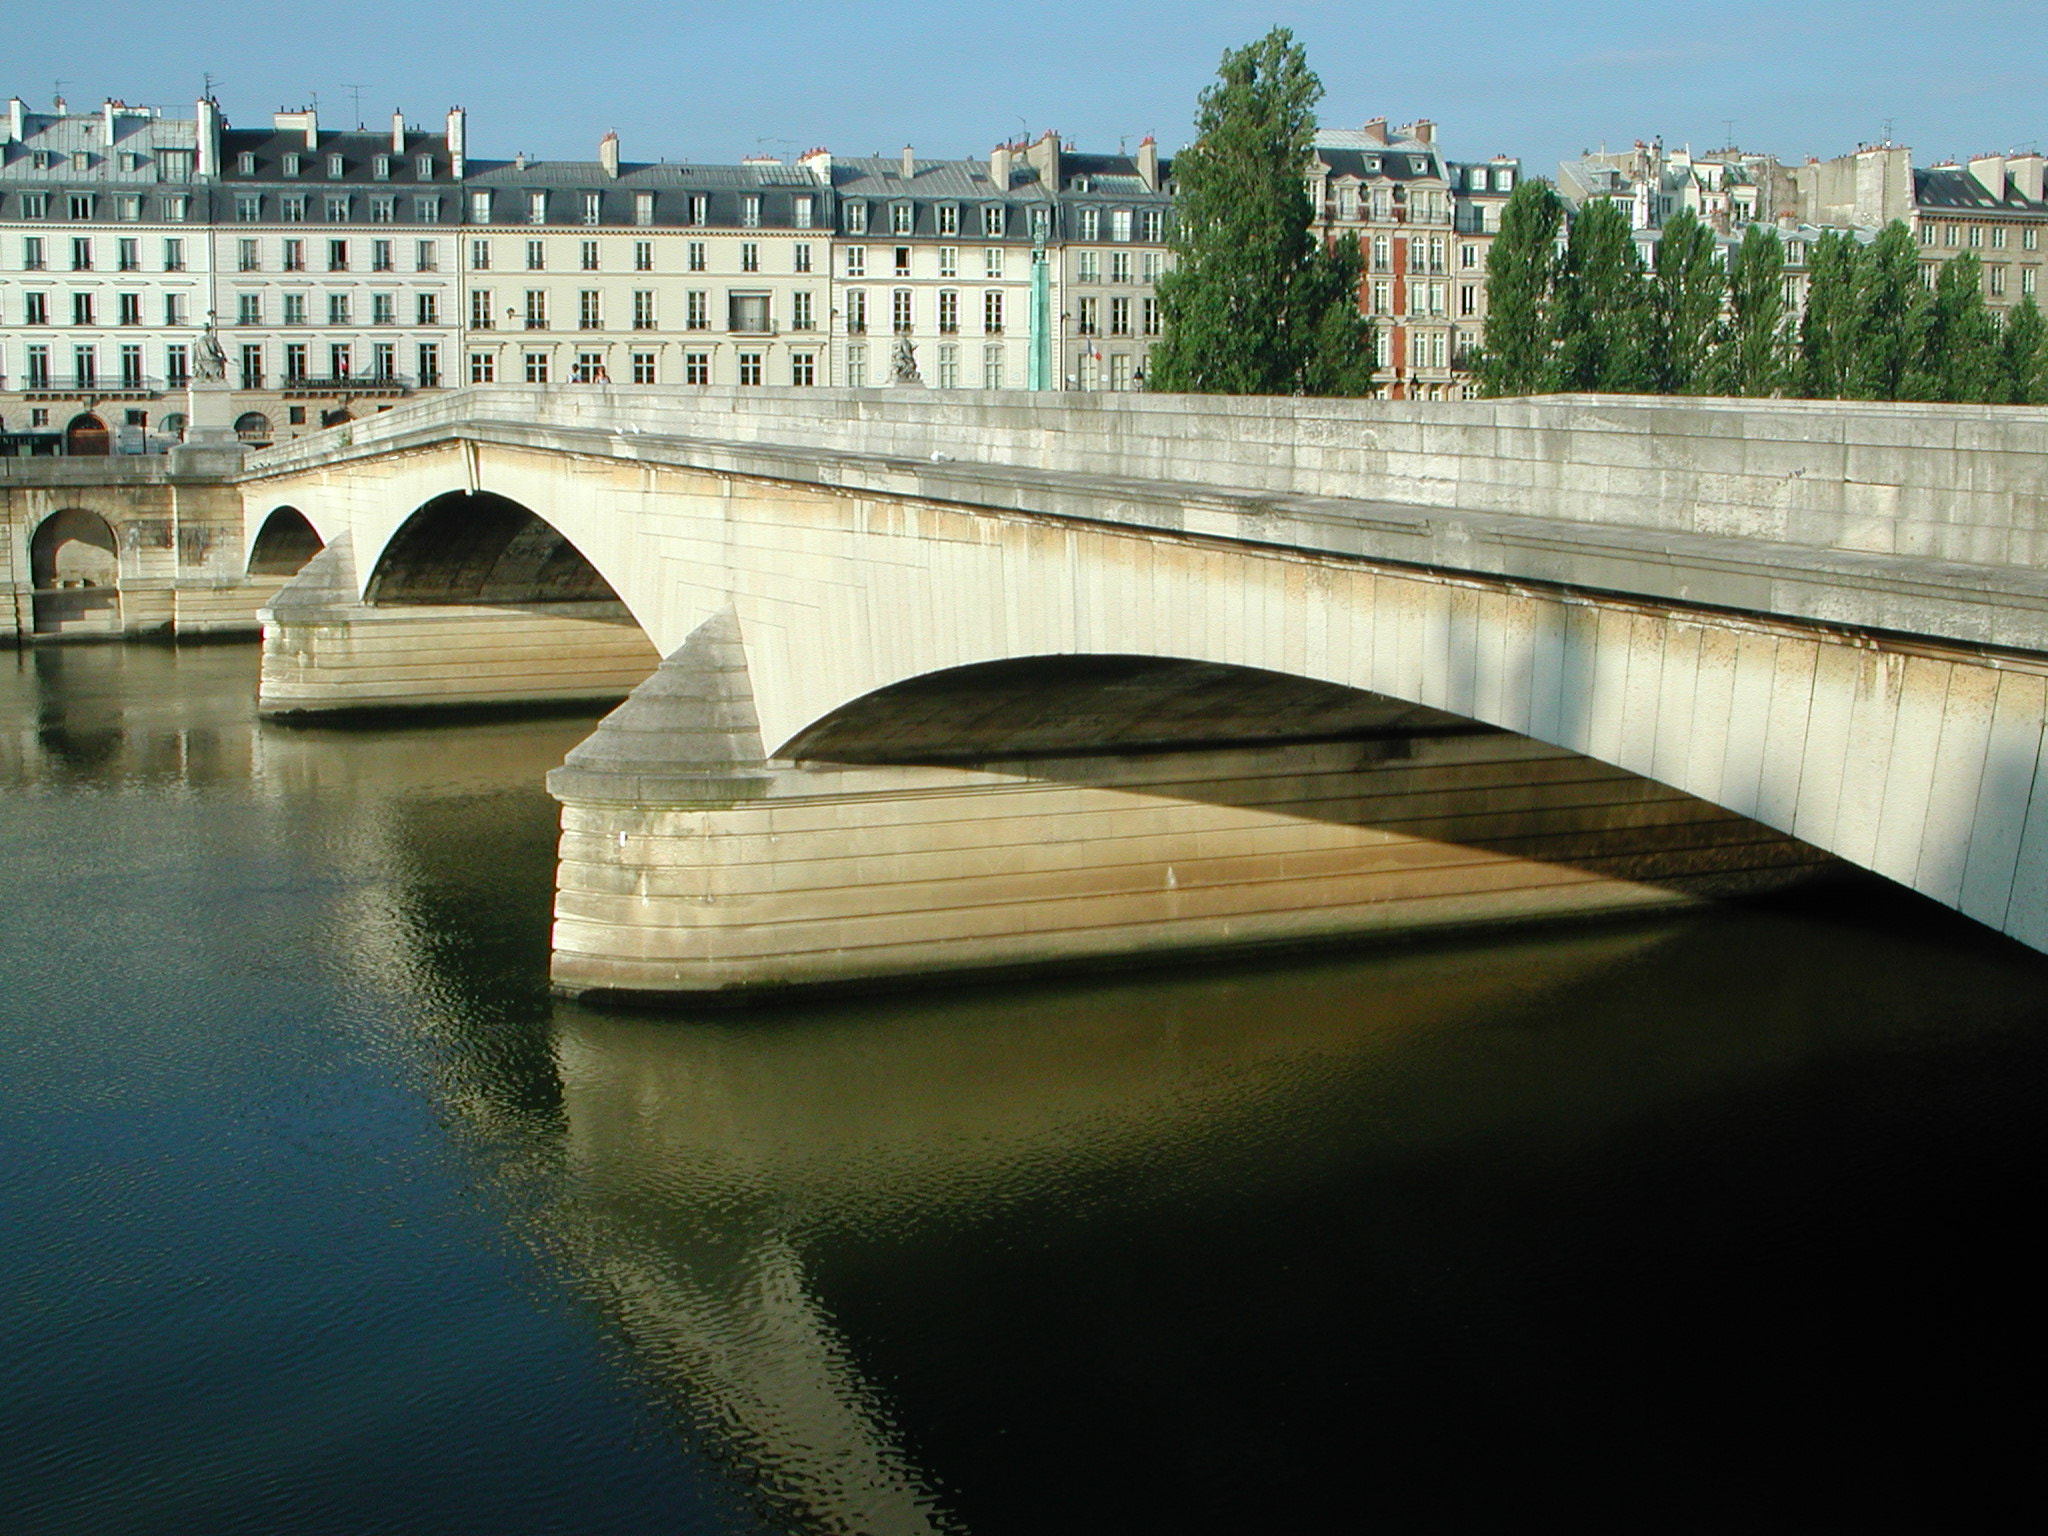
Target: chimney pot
608, 153
398, 133
909, 162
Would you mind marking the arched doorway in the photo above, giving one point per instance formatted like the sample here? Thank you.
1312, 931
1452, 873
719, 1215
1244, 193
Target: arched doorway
284, 544
86, 437
253, 428
75, 562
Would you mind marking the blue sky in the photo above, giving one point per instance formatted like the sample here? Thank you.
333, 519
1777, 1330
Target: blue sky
713, 82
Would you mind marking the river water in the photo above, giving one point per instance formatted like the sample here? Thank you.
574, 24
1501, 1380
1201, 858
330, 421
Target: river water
317, 1214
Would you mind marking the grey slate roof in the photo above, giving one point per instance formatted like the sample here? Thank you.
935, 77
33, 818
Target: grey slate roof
1954, 188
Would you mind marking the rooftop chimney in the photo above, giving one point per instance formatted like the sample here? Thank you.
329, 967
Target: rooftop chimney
1425, 131
206, 121
1148, 162
398, 133
458, 136
909, 163
608, 153
305, 119
17, 120
1990, 173
1376, 130
819, 163
999, 167
2025, 174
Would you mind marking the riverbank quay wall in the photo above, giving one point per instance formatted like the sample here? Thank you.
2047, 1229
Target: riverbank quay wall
125, 547
1821, 618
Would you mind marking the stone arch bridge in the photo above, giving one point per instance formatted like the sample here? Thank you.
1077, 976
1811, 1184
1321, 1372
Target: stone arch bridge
923, 683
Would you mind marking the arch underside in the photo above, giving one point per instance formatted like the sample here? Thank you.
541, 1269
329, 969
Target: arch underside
284, 544
1049, 811
481, 548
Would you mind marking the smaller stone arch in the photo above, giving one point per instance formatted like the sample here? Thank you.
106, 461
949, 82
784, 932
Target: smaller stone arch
86, 437
75, 563
284, 544
173, 425
253, 428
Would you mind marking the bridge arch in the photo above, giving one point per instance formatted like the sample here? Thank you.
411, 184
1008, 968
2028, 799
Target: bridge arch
283, 545
482, 548
75, 565
74, 549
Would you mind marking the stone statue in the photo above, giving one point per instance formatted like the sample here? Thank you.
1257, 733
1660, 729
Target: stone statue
210, 363
903, 364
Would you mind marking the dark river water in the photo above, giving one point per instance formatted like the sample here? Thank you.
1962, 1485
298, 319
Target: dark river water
318, 1214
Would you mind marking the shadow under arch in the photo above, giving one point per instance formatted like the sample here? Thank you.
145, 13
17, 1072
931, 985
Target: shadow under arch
1270, 744
480, 548
283, 545
1098, 705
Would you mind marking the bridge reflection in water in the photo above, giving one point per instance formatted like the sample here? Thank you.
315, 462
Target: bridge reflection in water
1584, 1221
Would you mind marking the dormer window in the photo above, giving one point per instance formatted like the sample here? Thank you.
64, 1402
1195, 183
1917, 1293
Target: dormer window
41, 159
245, 163
902, 218
381, 168
949, 218
80, 160
291, 165
423, 167
334, 167
856, 218
1372, 164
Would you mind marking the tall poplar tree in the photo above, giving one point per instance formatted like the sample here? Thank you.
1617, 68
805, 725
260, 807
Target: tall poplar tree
2023, 356
1888, 300
1521, 293
1827, 333
1751, 358
1602, 306
1957, 340
1687, 288
1248, 309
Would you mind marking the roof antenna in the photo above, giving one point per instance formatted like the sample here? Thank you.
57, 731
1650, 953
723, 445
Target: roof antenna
57, 89
1729, 124
1887, 132
357, 92
207, 84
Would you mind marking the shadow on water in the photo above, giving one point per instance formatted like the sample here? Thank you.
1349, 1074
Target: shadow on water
1700, 1224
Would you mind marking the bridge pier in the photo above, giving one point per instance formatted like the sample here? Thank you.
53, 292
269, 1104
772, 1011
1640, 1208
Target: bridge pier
694, 867
325, 651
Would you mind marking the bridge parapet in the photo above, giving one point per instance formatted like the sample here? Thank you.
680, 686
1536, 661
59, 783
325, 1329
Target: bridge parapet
1956, 483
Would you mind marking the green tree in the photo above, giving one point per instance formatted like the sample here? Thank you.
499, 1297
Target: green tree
1827, 333
1957, 339
2022, 357
1521, 291
1246, 309
1888, 302
1686, 292
1602, 306
1750, 359
1339, 355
